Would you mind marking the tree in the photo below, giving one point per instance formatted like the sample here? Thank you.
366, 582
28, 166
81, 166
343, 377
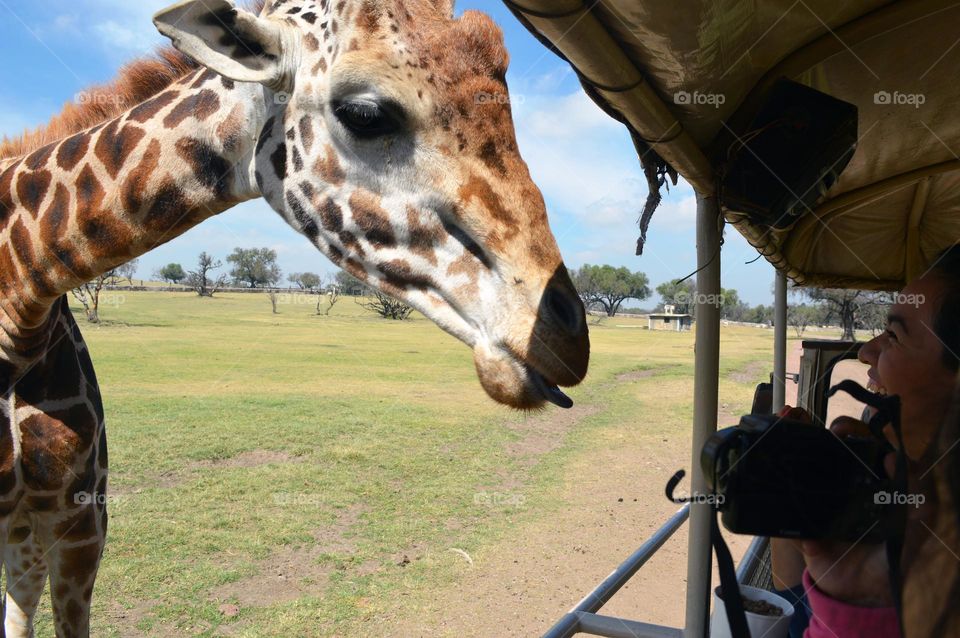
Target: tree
305, 280
255, 267
732, 309
350, 285
801, 316
608, 287
845, 306
200, 279
332, 295
272, 295
127, 271
680, 294
88, 294
386, 306
172, 273
874, 317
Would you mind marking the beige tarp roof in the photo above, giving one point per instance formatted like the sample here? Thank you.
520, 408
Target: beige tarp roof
898, 202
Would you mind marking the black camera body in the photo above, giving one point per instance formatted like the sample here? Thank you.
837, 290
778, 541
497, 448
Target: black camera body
789, 479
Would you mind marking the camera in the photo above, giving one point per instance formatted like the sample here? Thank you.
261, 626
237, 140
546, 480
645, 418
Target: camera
790, 479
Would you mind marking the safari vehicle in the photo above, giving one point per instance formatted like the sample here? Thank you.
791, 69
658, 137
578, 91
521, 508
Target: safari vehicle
824, 132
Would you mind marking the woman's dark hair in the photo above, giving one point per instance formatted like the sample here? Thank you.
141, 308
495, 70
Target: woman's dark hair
948, 477
946, 323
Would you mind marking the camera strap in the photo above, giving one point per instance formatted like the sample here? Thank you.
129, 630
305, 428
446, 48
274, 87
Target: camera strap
729, 587
888, 413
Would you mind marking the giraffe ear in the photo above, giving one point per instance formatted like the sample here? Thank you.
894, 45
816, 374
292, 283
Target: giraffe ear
230, 41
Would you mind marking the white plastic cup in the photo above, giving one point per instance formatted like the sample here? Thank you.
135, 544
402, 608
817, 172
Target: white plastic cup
760, 626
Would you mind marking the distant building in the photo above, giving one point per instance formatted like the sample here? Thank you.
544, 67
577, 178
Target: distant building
669, 320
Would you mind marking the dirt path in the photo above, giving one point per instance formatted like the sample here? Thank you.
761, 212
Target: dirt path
524, 584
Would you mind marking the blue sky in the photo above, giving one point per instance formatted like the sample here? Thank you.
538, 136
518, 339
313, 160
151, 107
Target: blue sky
583, 161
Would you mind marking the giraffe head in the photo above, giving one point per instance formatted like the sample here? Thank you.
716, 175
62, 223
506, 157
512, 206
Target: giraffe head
388, 140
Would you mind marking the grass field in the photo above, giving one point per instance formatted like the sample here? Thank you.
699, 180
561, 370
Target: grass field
300, 475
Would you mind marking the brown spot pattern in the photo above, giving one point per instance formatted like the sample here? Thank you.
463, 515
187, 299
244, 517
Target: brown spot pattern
115, 145
89, 192
6, 193
306, 133
399, 274
331, 216
49, 450
423, 238
371, 219
328, 168
149, 109
230, 131
32, 188
134, 187
200, 106
53, 224
72, 150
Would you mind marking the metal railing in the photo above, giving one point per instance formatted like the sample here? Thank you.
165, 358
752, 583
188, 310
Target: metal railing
583, 618
754, 569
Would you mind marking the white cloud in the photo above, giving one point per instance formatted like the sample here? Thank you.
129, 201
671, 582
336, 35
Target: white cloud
120, 27
119, 37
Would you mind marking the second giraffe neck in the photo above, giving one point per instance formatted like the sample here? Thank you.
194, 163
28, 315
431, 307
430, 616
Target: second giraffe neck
77, 208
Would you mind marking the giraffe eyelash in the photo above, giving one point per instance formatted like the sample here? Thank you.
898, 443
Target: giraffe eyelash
367, 119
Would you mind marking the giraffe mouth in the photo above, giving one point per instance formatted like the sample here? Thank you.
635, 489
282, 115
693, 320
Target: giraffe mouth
550, 391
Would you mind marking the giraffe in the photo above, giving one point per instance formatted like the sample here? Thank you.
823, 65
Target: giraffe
379, 129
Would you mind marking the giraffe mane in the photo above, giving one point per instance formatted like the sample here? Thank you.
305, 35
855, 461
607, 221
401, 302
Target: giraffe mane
137, 81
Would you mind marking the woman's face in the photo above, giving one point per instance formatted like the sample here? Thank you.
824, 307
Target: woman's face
907, 360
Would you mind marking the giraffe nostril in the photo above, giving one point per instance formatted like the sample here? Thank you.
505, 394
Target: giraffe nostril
566, 311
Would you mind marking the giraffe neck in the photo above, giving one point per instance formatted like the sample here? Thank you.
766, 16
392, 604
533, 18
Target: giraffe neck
79, 207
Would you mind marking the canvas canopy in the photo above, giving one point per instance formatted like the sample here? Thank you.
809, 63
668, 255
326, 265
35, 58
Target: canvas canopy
682, 73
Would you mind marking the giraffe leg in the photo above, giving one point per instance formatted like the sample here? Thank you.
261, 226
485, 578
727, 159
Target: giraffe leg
73, 541
26, 574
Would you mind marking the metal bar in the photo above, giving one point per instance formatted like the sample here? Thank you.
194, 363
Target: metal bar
619, 628
705, 391
568, 626
780, 343
596, 599
751, 560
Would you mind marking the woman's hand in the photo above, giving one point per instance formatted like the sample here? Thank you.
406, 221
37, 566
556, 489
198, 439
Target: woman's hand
859, 573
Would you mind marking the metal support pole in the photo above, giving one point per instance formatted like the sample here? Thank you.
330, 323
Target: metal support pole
780, 343
705, 392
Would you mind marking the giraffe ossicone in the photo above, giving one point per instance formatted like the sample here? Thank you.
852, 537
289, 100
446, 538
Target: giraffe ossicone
381, 130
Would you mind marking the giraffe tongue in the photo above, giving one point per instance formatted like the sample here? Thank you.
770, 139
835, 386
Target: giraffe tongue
556, 396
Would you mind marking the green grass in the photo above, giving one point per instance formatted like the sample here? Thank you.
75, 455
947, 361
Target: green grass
376, 437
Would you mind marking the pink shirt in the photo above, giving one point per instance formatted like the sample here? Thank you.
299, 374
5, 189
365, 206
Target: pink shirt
831, 618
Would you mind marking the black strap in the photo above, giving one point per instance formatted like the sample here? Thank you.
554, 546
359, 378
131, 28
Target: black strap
729, 587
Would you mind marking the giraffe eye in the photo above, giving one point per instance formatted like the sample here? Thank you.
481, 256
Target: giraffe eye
366, 119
